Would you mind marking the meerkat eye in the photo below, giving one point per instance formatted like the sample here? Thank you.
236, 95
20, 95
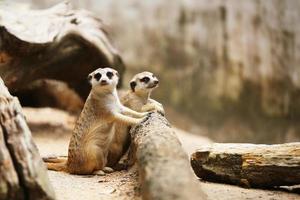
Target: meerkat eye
97, 76
145, 79
109, 74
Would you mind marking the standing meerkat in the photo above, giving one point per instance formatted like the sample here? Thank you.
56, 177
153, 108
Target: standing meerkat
94, 129
138, 99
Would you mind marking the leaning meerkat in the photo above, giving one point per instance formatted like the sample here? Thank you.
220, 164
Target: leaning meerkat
94, 129
138, 99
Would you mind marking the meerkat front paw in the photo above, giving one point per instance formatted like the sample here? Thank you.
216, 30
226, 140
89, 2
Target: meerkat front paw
143, 114
154, 107
142, 119
147, 108
148, 116
160, 110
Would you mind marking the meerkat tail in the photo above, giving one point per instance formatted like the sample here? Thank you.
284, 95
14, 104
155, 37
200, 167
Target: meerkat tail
58, 159
56, 163
57, 166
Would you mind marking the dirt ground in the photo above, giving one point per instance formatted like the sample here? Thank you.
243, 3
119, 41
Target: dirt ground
51, 130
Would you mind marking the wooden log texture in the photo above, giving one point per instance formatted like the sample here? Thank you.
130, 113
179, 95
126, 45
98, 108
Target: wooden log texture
164, 168
23, 174
249, 165
57, 43
9, 182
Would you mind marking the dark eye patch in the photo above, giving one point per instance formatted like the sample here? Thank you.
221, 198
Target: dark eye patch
145, 79
109, 74
132, 85
97, 76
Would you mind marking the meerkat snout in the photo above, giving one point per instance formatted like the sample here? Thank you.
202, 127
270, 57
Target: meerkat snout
103, 82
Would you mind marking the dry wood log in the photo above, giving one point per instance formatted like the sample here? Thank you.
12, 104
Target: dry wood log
163, 165
57, 43
51, 93
23, 174
9, 182
249, 165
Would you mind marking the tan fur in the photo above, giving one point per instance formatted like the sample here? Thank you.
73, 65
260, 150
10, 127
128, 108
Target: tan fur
139, 100
95, 127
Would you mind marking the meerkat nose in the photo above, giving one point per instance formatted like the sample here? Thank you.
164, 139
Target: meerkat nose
156, 82
103, 82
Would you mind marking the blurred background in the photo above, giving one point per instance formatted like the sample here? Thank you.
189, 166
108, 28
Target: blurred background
229, 69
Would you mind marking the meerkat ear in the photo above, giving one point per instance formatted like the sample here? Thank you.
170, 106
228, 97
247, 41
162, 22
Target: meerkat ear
89, 78
132, 85
117, 73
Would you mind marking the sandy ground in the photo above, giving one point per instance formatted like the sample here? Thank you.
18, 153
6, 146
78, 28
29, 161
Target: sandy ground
51, 131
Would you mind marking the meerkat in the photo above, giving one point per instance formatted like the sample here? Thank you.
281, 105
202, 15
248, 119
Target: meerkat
138, 99
94, 129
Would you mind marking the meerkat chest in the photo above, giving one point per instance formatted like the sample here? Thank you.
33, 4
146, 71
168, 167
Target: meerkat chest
136, 104
113, 107
102, 126
107, 105
102, 133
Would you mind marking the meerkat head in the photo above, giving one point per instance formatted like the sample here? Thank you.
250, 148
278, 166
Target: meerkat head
144, 82
103, 79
